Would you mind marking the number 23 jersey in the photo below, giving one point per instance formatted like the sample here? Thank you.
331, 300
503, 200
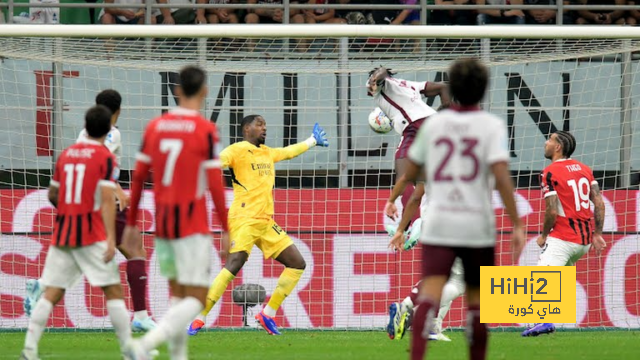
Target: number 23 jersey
571, 181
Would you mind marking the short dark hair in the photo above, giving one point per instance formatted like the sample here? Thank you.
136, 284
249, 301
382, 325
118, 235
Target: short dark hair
248, 120
468, 79
109, 98
567, 141
192, 79
97, 121
390, 72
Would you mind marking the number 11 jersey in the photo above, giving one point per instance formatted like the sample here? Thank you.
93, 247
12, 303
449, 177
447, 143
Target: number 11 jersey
456, 148
570, 180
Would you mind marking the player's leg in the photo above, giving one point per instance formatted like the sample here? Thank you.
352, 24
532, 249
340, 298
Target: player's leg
453, 289
34, 289
555, 252
60, 272
136, 277
401, 165
399, 314
436, 262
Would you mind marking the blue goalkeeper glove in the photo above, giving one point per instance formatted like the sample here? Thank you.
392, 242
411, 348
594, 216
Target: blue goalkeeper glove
320, 136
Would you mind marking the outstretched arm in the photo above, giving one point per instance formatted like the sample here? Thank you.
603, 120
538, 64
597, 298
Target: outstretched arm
440, 89
318, 137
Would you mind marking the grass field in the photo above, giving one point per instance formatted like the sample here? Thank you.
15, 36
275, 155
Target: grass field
241, 345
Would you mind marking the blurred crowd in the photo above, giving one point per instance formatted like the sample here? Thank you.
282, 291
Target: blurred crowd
229, 15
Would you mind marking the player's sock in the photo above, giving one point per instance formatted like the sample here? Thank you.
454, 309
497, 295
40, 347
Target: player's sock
407, 304
119, 316
286, 282
421, 324
451, 291
38, 321
477, 334
137, 279
406, 195
178, 348
217, 288
174, 321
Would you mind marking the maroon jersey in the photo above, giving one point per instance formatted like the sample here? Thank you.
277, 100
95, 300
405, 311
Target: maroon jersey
570, 181
180, 146
80, 172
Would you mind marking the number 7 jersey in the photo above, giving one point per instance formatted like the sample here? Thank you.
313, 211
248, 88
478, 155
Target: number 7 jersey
570, 180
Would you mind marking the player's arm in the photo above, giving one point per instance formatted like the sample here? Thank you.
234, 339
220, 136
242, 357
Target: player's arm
398, 189
598, 213
318, 137
108, 207
550, 216
440, 89
213, 167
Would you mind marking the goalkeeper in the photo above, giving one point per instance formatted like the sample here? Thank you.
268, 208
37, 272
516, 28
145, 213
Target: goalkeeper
251, 164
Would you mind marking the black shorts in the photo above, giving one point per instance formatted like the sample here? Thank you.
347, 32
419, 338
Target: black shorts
437, 261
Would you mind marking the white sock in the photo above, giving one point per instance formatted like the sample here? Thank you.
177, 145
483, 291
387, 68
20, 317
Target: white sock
451, 291
119, 316
140, 315
178, 343
406, 304
175, 320
38, 321
269, 311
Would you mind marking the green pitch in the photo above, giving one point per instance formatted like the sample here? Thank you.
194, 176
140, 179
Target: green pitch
240, 345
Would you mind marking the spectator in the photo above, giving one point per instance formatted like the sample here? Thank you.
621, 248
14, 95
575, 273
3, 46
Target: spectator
601, 17
634, 15
407, 16
453, 17
546, 16
222, 15
181, 16
485, 17
271, 16
322, 16
123, 15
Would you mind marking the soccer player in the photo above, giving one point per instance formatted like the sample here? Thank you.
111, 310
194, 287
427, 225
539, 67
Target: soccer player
251, 164
84, 238
401, 101
401, 313
180, 148
567, 233
136, 256
462, 153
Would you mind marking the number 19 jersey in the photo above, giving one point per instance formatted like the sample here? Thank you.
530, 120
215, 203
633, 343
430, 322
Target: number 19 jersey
456, 148
570, 180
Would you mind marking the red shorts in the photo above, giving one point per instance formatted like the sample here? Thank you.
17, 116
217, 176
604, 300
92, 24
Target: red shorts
437, 261
408, 135
121, 222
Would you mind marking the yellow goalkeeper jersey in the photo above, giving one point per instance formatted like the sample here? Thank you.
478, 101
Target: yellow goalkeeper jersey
253, 176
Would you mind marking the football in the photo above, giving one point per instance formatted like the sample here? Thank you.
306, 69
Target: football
379, 121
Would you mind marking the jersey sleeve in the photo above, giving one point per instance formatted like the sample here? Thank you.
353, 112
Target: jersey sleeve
226, 157
110, 173
418, 150
55, 179
82, 135
114, 141
212, 148
420, 86
498, 143
548, 181
144, 154
289, 152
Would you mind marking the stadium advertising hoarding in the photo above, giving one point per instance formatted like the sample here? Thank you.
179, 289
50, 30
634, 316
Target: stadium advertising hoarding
351, 275
534, 99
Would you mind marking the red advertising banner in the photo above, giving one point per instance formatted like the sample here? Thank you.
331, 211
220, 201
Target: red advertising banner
351, 276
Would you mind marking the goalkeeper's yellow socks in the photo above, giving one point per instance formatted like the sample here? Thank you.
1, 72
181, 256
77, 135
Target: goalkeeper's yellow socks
287, 281
217, 288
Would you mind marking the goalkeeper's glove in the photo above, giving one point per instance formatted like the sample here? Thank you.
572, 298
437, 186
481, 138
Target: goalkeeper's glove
320, 136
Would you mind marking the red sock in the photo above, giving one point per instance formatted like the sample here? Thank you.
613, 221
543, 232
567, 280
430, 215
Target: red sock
137, 279
420, 325
406, 195
477, 334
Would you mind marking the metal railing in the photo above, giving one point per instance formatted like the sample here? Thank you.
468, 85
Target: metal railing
286, 6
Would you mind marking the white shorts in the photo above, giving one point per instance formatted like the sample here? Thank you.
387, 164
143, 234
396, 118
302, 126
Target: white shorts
45, 15
65, 266
558, 252
186, 260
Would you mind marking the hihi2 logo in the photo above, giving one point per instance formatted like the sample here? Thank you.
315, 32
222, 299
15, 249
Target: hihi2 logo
527, 294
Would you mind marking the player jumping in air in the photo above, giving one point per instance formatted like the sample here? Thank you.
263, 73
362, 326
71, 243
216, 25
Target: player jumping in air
462, 153
136, 257
251, 164
180, 148
401, 313
401, 101
84, 238
567, 233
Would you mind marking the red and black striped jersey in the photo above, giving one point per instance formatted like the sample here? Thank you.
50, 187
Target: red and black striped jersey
571, 182
80, 172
